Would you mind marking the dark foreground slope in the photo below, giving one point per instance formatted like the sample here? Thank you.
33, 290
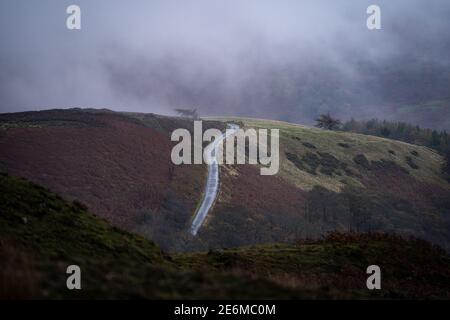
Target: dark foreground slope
41, 234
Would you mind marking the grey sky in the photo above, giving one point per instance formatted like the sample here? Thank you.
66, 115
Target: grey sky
256, 58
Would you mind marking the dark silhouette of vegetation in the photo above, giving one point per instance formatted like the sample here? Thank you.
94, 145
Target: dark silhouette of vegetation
310, 162
325, 121
309, 145
411, 163
439, 141
361, 160
188, 113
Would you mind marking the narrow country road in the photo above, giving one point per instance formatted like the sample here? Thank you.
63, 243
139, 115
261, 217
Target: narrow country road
212, 181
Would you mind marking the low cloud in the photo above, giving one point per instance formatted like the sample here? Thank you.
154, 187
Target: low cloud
286, 60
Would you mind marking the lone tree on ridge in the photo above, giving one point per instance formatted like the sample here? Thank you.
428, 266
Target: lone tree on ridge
325, 121
188, 113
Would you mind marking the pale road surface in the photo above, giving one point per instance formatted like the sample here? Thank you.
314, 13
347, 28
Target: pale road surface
212, 181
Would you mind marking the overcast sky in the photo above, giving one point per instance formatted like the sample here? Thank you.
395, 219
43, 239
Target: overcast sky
222, 56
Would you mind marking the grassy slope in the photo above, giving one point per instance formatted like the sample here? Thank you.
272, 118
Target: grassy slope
293, 136
325, 187
40, 234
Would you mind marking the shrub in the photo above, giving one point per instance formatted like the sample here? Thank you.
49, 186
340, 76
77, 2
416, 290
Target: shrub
309, 145
362, 161
411, 163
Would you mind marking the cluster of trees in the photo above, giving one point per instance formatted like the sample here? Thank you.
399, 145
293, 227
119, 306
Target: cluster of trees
434, 139
439, 141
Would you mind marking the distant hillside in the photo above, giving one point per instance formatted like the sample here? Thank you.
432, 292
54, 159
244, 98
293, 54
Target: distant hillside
118, 164
41, 234
433, 114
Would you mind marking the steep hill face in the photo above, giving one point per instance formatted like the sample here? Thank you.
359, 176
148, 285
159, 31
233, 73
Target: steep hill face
41, 234
118, 164
113, 165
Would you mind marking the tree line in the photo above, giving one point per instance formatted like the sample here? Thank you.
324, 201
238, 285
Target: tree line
434, 139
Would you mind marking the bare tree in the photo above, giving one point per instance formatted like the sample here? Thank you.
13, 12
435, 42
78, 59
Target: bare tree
325, 121
188, 113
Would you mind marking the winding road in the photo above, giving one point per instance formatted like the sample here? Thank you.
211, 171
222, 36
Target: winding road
212, 181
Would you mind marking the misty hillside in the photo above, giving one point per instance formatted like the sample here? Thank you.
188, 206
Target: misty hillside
41, 234
118, 164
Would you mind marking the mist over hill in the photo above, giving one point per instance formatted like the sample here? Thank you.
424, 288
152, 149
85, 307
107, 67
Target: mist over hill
285, 60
